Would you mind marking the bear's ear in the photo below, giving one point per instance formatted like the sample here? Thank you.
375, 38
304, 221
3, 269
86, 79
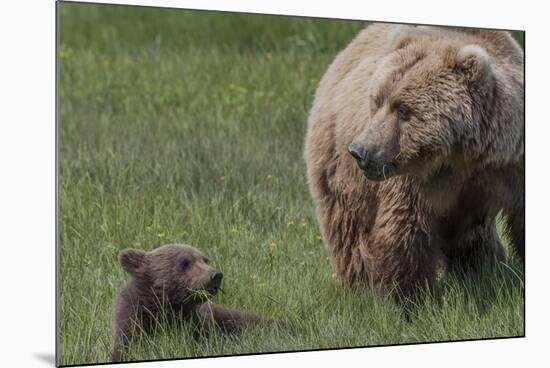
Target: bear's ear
401, 37
131, 259
474, 64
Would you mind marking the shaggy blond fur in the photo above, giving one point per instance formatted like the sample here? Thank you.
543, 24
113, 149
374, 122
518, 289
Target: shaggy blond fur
433, 119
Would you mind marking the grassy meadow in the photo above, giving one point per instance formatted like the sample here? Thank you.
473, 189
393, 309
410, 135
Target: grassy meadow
188, 127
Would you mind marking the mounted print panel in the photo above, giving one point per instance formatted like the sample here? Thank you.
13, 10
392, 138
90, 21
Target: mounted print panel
241, 184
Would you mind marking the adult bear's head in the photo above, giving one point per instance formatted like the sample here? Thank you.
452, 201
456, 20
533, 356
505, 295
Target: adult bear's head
428, 97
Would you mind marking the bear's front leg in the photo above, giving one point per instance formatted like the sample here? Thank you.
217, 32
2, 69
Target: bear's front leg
402, 251
230, 321
122, 325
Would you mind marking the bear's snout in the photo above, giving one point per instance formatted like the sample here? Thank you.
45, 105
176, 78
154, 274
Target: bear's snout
371, 162
358, 151
216, 279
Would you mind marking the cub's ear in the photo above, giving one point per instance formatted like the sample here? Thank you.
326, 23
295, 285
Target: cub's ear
131, 259
474, 64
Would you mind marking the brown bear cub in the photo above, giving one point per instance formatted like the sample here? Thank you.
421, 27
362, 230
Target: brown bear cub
170, 284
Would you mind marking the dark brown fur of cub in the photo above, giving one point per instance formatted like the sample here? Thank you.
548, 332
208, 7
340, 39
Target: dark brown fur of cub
171, 283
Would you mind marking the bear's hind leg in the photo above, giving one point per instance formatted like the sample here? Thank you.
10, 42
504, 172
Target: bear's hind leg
515, 219
479, 245
403, 256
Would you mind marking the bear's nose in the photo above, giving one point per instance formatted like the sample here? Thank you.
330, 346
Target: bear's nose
358, 151
216, 278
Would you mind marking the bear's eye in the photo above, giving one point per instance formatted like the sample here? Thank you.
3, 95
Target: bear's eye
205, 260
403, 112
377, 101
184, 263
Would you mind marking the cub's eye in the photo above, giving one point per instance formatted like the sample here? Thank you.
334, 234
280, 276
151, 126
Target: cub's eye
205, 260
184, 263
403, 112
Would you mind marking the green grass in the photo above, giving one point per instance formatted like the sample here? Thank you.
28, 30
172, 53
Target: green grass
188, 127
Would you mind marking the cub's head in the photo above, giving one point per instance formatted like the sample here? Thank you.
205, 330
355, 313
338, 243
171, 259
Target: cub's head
178, 274
426, 102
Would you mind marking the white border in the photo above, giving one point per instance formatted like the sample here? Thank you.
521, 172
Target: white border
27, 183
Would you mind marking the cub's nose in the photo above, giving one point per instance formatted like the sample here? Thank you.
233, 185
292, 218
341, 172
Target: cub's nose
358, 151
216, 278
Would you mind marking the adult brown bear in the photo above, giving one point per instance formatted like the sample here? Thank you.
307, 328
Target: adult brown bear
415, 143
